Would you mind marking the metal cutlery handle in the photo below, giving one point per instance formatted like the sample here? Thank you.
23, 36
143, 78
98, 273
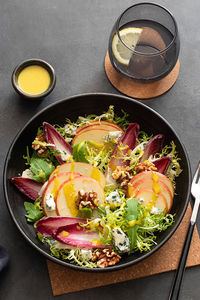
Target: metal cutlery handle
181, 267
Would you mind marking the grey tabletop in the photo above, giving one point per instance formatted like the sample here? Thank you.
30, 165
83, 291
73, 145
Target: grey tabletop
73, 37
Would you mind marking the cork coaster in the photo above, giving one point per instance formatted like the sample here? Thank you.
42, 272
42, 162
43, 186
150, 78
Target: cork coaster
65, 280
136, 89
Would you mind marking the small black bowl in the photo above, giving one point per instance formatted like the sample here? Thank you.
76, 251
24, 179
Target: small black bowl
85, 104
30, 62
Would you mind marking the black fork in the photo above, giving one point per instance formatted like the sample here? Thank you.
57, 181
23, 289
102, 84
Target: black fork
195, 190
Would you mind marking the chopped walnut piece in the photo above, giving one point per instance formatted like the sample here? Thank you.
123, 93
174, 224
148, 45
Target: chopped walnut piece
41, 150
87, 199
105, 258
122, 175
145, 166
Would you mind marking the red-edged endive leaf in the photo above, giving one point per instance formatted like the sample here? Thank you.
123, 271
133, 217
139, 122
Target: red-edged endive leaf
162, 164
129, 139
54, 137
27, 186
75, 235
153, 146
48, 226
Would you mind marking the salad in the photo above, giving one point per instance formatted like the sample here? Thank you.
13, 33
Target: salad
98, 188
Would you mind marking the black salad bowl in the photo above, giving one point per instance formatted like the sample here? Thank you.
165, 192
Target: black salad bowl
93, 103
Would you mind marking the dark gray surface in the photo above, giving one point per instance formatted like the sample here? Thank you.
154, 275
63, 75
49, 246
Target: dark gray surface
72, 36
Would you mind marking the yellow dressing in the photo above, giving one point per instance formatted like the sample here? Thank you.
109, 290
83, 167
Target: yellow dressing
80, 145
155, 177
96, 242
95, 175
132, 223
156, 190
55, 187
64, 233
135, 222
152, 202
34, 80
70, 197
156, 187
131, 190
72, 167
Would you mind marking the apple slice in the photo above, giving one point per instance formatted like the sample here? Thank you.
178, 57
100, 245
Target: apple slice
52, 188
133, 189
93, 135
149, 174
83, 169
100, 125
148, 197
68, 191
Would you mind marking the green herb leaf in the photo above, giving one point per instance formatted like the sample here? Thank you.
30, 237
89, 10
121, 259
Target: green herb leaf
85, 213
27, 156
80, 152
40, 168
131, 209
34, 213
132, 214
101, 211
75, 152
132, 234
41, 237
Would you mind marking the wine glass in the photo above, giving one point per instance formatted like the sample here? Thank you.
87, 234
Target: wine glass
144, 43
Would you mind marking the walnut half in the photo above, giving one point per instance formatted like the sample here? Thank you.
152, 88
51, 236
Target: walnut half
87, 199
105, 258
41, 150
122, 175
145, 166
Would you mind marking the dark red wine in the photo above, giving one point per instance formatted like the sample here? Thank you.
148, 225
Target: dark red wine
154, 55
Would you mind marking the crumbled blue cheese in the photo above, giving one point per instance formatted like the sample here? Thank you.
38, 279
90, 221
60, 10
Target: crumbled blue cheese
113, 199
155, 210
50, 203
70, 129
113, 136
86, 254
121, 240
27, 174
65, 156
140, 201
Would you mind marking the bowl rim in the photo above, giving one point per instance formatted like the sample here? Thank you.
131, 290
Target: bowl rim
65, 263
29, 62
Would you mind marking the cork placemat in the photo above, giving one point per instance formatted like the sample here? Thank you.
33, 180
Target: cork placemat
136, 89
65, 280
